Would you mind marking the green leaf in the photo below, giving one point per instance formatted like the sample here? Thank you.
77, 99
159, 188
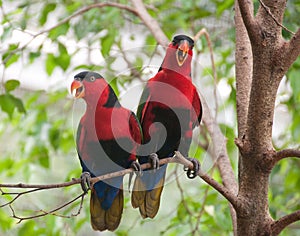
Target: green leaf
50, 63
13, 46
106, 43
41, 154
46, 10
224, 5
6, 222
11, 85
63, 60
18, 104
8, 103
33, 56
60, 30
114, 84
139, 63
54, 137
6, 164
7, 32
10, 58
27, 228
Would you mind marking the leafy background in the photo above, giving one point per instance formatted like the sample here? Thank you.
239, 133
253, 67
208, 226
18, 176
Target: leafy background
40, 54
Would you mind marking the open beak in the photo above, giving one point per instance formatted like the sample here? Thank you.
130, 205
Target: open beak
182, 52
77, 89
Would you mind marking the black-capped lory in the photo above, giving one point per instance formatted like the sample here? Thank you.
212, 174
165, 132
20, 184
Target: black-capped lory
107, 139
169, 109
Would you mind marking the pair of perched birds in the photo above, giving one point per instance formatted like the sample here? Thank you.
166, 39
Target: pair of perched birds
111, 138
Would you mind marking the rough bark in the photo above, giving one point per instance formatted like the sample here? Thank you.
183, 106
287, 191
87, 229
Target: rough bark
255, 136
243, 71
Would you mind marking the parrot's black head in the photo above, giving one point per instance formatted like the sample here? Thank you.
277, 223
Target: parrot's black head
93, 88
179, 55
88, 76
178, 38
87, 82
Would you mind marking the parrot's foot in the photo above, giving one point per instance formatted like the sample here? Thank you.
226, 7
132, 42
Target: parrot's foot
85, 181
137, 168
192, 173
154, 161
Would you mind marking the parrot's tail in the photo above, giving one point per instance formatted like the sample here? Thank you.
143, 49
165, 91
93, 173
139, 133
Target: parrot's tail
147, 200
106, 219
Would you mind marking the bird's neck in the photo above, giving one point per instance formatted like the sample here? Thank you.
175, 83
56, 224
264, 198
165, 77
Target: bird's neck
96, 107
170, 64
103, 98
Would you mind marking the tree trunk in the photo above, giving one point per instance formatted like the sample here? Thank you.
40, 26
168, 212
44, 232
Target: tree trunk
257, 84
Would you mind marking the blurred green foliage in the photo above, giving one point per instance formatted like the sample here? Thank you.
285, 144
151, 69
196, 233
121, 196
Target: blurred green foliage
37, 127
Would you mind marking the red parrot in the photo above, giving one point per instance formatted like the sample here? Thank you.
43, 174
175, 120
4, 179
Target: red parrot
107, 139
169, 109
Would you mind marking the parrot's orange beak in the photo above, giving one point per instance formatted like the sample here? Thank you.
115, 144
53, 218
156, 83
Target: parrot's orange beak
182, 52
77, 89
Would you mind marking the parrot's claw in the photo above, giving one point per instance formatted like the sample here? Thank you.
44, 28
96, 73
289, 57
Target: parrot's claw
154, 161
137, 168
85, 181
192, 173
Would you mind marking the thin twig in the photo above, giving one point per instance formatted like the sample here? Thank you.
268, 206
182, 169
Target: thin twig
42, 186
52, 212
18, 195
135, 73
177, 158
183, 199
267, 9
229, 195
150, 22
67, 19
181, 191
202, 206
93, 180
211, 52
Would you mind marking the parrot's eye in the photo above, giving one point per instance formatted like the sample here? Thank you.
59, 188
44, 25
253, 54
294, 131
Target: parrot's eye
92, 78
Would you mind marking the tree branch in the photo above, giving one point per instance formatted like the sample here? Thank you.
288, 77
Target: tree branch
17, 195
41, 186
209, 44
220, 151
267, 9
228, 194
247, 12
291, 50
285, 153
213, 66
243, 68
150, 22
283, 222
177, 158
67, 19
52, 212
89, 7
